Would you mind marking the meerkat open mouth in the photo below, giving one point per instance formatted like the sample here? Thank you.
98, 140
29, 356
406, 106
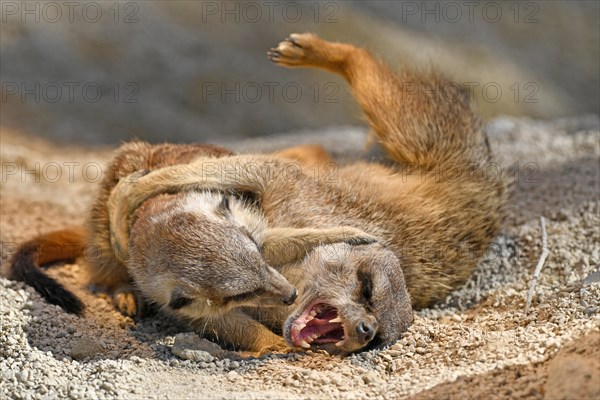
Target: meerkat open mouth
320, 323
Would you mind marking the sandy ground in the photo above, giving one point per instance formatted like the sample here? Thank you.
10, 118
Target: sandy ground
477, 344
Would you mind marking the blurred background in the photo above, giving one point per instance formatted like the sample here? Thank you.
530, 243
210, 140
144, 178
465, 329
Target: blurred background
102, 72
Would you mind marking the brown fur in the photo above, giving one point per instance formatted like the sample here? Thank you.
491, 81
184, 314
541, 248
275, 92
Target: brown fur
432, 229
131, 157
435, 211
195, 255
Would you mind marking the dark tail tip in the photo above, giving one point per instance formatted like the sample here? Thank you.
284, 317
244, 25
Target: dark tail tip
25, 269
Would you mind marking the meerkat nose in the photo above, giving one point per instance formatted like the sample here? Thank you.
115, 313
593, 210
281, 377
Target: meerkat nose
365, 332
289, 300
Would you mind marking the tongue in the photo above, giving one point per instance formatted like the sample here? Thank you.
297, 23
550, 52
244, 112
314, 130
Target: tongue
320, 327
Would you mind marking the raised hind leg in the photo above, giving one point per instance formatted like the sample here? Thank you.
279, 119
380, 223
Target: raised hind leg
419, 118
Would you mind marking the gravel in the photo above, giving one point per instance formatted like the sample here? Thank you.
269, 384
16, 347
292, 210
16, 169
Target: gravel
478, 330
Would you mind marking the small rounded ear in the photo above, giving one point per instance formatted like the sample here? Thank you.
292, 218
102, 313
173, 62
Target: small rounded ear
366, 284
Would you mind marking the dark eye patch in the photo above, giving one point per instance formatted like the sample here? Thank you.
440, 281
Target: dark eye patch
244, 296
178, 302
366, 286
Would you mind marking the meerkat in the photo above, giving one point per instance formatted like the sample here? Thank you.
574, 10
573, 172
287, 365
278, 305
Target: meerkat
434, 211
107, 270
181, 254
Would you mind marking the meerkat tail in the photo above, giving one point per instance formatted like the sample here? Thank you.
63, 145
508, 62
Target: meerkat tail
64, 245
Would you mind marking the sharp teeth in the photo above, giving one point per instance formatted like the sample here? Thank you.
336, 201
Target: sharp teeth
340, 343
300, 326
304, 344
309, 318
336, 320
314, 336
312, 313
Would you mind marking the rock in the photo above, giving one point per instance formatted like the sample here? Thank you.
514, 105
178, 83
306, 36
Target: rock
23, 376
109, 387
233, 375
8, 375
85, 347
370, 377
190, 346
395, 353
193, 355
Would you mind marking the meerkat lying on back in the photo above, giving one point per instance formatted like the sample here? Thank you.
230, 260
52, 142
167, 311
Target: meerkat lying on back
200, 256
431, 228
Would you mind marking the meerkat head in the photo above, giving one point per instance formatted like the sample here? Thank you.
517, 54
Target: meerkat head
198, 259
355, 297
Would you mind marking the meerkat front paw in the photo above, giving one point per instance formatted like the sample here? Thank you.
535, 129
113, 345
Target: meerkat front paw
296, 50
128, 302
279, 348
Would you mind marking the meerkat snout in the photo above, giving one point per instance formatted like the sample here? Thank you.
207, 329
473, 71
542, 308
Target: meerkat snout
289, 300
278, 287
365, 331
